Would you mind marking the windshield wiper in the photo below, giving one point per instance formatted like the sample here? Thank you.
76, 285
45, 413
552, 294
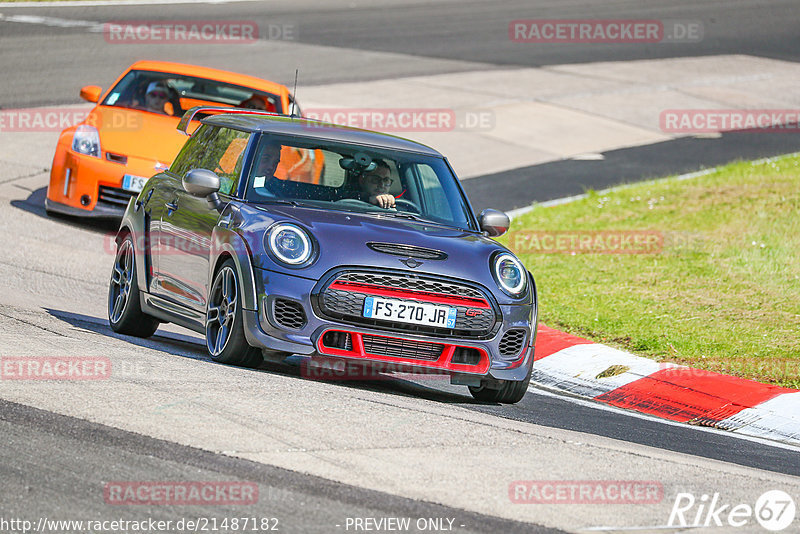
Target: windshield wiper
278, 201
402, 215
413, 217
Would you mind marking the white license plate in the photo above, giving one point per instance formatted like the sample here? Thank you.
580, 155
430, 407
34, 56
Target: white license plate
133, 183
410, 312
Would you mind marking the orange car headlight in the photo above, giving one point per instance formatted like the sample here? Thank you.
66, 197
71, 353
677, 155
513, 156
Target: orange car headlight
86, 140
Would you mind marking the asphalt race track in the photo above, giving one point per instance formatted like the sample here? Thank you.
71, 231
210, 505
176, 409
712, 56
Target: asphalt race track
324, 453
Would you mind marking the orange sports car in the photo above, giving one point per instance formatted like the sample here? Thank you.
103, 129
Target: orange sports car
130, 135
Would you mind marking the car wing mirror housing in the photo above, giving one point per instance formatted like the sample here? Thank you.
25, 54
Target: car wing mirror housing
203, 183
494, 222
91, 93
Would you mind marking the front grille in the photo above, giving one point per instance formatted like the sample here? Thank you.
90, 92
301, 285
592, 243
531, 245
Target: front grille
512, 342
114, 195
408, 251
415, 284
289, 314
348, 304
401, 348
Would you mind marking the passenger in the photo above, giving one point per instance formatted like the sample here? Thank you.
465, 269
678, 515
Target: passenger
253, 102
268, 162
375, 186
257, 102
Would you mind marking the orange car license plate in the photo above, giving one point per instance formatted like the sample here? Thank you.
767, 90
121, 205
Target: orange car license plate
133, 183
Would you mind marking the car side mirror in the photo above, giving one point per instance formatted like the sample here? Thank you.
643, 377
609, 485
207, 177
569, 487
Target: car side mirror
203, 183
91, 93
495, 223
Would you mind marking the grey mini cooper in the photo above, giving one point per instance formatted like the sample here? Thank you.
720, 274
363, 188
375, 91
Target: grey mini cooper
277, 236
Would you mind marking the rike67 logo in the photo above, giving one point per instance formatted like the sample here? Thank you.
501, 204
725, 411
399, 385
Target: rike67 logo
774, 510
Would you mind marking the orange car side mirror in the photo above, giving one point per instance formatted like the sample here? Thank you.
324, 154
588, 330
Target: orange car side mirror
91, 93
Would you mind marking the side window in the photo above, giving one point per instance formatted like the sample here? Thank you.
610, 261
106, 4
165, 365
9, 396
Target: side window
226, 157
217, 149
191, 155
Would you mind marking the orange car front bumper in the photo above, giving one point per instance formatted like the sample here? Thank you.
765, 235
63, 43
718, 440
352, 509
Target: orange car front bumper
86, 186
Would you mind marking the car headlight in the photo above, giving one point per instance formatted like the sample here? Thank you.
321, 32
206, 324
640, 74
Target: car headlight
86, 140
290, 244
510, 274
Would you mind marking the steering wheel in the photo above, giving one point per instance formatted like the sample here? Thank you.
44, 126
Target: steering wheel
407, 205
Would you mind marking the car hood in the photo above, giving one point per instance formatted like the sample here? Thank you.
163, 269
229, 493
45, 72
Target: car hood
343, 238
137, 134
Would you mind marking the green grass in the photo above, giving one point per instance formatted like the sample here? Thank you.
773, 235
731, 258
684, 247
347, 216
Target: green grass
723, 294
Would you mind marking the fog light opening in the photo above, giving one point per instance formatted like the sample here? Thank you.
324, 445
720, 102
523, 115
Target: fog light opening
337, 340
466, 356
85, 200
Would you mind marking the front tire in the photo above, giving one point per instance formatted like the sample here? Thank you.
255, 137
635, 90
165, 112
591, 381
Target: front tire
510, 391
225, 339
125, 313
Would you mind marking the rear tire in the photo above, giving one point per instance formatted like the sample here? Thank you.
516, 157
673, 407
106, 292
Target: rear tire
225, 339
125, 313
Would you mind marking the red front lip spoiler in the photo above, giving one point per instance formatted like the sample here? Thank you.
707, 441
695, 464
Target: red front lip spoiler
443, 362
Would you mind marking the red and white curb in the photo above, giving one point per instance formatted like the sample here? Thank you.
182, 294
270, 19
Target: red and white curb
591, 370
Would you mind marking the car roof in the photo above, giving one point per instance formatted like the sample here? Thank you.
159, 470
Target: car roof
313, 129
213, 74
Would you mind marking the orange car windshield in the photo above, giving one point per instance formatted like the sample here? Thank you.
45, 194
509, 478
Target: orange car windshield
172, 94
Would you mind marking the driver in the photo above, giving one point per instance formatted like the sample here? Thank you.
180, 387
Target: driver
156, 96
375, 185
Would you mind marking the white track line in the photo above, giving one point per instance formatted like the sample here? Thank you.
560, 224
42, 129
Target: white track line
90, 25
99, 3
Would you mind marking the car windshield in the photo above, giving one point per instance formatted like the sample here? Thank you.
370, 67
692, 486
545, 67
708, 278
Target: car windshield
172, 94
346, 177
